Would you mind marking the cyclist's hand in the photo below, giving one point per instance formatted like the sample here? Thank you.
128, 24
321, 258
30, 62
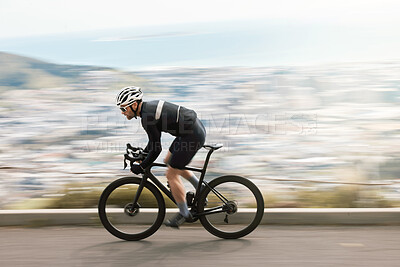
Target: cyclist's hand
137, 169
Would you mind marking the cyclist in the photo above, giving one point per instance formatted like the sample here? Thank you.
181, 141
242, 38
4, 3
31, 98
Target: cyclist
160, 116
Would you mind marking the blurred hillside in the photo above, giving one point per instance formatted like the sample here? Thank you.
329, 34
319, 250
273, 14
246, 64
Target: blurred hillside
287, 128
19, 72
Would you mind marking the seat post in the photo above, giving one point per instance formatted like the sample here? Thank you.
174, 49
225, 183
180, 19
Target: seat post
203, 172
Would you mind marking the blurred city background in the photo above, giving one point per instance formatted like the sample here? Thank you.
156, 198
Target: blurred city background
307, 106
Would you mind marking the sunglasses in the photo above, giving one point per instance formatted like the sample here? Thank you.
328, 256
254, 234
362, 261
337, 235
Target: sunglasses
124, 109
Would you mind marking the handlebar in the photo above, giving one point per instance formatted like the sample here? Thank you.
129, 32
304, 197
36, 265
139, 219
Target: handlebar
133, 154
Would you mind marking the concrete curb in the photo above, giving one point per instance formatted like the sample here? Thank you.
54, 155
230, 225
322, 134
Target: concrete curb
355, 216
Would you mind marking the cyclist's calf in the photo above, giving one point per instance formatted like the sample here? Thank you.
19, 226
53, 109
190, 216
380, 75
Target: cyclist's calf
175, 183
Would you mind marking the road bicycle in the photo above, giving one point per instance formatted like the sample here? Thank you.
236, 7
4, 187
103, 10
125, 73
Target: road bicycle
133, 208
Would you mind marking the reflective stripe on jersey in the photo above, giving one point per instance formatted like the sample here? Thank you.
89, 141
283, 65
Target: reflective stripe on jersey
159, 109
177, 114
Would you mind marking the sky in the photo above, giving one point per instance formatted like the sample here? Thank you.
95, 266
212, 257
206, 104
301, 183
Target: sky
144, 34
19, 18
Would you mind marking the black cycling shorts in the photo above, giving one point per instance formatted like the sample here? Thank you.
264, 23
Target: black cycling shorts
183, 148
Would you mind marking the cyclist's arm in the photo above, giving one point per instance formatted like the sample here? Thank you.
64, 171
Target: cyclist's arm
153, 146
146, 149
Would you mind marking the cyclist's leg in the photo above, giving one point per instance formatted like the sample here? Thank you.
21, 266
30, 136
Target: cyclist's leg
178, 192
190, 144
182, 150
188, 175
175, 183
167, 157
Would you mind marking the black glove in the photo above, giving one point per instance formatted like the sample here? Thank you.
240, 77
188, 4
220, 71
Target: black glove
137, 169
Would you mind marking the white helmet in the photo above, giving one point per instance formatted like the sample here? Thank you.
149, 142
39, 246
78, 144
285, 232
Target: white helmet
128, 95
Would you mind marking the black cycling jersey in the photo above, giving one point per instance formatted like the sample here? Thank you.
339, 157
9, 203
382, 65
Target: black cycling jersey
160, 116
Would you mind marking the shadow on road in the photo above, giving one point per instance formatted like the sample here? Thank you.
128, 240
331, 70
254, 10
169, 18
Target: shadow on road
142, 252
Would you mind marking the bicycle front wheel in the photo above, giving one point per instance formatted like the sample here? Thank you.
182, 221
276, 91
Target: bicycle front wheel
232, 207
125, 220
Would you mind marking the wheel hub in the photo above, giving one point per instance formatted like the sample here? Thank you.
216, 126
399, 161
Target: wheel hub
231, 207
131, 210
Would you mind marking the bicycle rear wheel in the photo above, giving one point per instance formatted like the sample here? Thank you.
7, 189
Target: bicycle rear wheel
239, 204
121, 220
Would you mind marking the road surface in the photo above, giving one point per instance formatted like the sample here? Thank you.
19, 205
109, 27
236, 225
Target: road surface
194, 246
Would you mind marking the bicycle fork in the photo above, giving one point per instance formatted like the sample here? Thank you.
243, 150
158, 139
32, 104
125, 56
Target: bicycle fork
137, 195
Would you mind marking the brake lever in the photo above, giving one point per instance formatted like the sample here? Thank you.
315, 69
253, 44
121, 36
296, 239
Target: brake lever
140, 155
128, 146
131, 149
125, 164
130, 159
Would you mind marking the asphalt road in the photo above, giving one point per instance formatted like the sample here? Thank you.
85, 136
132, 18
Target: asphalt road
194, 246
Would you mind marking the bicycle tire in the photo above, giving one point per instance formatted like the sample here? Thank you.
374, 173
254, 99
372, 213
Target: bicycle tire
117, 221
245, 222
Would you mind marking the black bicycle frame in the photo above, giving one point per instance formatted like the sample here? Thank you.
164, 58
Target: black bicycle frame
149, 175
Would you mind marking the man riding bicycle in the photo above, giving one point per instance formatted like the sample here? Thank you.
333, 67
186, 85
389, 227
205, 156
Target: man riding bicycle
160, 116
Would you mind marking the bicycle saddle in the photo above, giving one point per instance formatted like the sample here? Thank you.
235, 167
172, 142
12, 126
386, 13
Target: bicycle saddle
213, 146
